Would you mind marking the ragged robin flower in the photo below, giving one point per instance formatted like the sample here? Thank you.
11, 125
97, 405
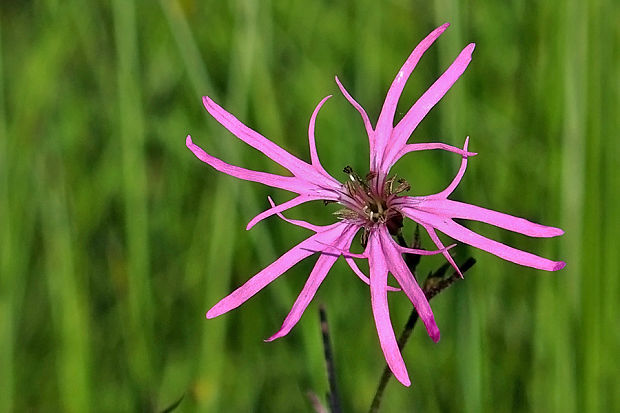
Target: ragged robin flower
372, 205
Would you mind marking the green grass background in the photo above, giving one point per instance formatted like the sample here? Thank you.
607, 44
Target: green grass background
115, 239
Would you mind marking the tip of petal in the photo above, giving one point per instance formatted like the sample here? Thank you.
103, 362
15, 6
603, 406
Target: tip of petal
251, 224
470, 47
255, 220
338, 82
548, 232
444, 26
211, 314
207, 101
188, 141
404, 381
559, 265
273, 337
434, 334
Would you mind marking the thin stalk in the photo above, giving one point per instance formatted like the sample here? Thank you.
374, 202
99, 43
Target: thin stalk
139, 328
332, 396
412, 260
433, 285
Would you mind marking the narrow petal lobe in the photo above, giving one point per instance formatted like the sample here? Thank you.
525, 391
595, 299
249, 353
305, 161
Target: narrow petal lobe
314, 156
280, 208
408, 283
427, 101
369, 131
288, 183
318, 274
385, 123
302, 250
380, 310
414, 147
455, 209
460, 233
254, 139
457, 179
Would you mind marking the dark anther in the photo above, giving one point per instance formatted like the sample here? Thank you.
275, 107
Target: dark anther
353, 177
370, 175
402, 186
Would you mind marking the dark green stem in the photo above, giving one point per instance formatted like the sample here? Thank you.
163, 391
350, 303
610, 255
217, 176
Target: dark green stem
412, 260
332, 396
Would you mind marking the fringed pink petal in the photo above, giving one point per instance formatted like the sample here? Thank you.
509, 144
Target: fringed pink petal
255, 139
369, 131
298, 200
455, 209
299, 223
357, 271
414, 147
278, 267
363, 276
433, 235
314, 156
460, 233
288, 183
385, 123
380, 310
318, 274
262, 279
420, 109
467, 236
360, 274
412, 213
339, 250
422, 252
408, 283
457, 179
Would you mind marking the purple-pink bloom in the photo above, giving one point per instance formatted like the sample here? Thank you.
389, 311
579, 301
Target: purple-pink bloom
372, 205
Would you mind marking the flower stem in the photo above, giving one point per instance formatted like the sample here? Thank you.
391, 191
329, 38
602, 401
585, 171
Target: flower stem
332, 396
433, 285
412, 260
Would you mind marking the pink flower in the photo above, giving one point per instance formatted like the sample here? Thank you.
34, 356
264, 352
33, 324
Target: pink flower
372, 204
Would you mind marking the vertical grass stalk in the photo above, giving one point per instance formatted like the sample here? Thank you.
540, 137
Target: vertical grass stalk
139, 300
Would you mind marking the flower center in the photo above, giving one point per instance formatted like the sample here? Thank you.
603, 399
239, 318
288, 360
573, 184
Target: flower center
367, 207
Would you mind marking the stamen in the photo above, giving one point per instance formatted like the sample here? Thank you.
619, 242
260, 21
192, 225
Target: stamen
364, 237
369, 207
402, 186
347, 214
370, 176
387, 189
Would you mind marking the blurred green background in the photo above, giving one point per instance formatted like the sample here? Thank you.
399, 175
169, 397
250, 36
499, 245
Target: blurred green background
115, 239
